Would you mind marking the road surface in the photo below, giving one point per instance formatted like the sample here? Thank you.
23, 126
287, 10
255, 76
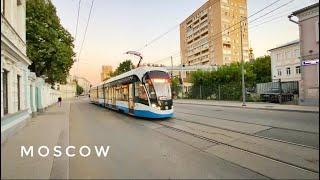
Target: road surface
200, 142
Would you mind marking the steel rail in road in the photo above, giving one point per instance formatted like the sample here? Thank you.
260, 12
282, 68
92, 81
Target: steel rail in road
242, 149
253, 135
298, 130
223, 143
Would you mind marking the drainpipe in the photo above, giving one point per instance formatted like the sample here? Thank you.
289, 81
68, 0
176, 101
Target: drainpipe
290, 16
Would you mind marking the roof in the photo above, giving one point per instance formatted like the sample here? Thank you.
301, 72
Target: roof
138, 71
305, 9
286, 44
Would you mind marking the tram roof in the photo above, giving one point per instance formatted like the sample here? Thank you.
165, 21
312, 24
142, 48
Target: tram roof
138, 72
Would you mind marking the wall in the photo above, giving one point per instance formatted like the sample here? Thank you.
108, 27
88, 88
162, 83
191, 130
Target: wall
283, 58
308, 22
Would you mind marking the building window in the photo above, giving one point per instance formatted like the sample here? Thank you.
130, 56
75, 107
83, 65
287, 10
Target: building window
279, 72
288, 71
298, 71
18, 91
5, 91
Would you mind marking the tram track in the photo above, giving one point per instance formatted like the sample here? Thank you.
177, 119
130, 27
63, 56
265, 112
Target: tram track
219, 142
249, 134
236, 147
232, 120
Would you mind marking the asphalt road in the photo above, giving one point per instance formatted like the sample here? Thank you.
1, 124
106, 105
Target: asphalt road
297, 127
137, 151
145, 149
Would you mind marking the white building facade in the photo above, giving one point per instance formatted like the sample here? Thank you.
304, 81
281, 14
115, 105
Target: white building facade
22, 93
14, 65
285, 62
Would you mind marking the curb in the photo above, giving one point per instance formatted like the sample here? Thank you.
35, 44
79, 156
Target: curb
288, 110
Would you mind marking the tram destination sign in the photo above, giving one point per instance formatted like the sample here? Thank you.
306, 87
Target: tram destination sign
310, 62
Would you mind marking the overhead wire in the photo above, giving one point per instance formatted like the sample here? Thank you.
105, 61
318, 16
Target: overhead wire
221, 32
84, 36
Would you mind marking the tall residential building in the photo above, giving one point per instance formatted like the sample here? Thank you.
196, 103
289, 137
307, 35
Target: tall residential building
211, 35
106, 72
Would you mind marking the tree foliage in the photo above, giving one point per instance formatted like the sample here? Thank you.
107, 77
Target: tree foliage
79, 90
123, 67
49, 45
225, 82
176, 87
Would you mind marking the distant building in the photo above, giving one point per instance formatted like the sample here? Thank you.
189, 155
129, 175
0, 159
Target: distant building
202, 41
84, 83
69, 89
309, 50
106, 72
285, 62
251, 55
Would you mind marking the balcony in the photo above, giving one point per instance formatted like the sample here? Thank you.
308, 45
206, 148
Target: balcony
10, 33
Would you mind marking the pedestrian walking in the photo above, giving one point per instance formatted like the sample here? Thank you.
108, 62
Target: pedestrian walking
59, 101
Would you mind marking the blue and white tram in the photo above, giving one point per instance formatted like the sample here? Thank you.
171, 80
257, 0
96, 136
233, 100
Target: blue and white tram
142, 92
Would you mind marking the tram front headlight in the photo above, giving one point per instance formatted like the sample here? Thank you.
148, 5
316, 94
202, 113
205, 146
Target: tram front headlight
153, 105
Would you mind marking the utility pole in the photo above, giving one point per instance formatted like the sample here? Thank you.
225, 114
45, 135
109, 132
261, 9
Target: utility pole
242, 67
172, 91
171, 67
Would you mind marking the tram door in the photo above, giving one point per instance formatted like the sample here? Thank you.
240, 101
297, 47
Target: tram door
131, 96
113, 97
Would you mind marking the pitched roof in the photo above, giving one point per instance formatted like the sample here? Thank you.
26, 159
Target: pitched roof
286, 44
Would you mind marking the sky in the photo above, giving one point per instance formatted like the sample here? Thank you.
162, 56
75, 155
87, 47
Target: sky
118, 26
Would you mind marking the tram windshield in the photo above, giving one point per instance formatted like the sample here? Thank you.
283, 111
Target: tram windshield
158, 85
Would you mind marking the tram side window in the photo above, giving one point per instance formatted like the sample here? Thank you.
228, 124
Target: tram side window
105, 92
100, 92
125, 93
140, 94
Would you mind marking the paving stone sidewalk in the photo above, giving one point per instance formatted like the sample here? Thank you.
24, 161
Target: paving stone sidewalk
46, 129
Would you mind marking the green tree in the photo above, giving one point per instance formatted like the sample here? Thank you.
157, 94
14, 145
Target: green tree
175, 86
79, 89
123, 67
262, 69
49, 45
225, 82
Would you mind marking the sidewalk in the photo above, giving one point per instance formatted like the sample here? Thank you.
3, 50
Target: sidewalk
47, 129
250, 105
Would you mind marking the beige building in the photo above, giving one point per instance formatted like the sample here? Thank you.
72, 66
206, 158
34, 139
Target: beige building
68, 90
285, 62
84, 83
211, 35
309, 49
106, 72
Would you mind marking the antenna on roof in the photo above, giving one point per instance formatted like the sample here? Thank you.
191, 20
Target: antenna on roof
136, 54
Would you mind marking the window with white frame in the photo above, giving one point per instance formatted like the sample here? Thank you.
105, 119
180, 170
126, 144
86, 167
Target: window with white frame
288, 71
279, 72
298, 71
